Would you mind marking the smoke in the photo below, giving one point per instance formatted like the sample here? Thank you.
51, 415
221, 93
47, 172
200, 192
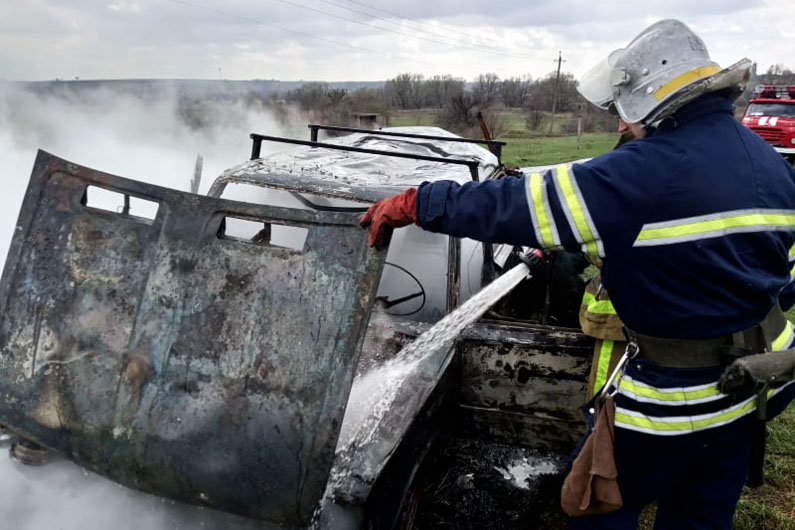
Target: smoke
152, 137
62, 496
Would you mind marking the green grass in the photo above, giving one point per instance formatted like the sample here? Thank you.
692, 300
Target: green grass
412, 118
524, 152
773, 505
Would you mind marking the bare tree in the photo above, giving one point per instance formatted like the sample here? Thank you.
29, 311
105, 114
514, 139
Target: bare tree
542, 93
496, 121
534, 119
459, 113
398, 90
514, 90
417, 90
778, 74
369, 100
309, 96
433, 93
486, 88
336, 96
453, 86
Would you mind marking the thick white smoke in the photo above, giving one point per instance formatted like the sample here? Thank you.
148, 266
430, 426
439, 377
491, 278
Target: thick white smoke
153, 139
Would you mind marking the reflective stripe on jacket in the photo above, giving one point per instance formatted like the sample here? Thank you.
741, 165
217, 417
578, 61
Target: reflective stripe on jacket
694, 222
598, 317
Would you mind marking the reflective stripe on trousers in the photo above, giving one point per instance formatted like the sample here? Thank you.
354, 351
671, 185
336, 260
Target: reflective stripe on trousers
676, 401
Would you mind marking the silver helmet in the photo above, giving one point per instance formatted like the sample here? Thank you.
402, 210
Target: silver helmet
664, 67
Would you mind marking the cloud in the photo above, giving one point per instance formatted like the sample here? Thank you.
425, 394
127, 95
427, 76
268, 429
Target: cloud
337, 40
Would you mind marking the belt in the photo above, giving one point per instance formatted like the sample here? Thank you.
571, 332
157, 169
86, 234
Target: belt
696, 353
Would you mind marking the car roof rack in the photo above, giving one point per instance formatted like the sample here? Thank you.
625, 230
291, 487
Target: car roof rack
495, 146
257, 140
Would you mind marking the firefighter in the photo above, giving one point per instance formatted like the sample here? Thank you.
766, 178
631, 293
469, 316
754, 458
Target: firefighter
693, 222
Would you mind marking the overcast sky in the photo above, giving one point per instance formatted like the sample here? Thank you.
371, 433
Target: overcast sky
339, 40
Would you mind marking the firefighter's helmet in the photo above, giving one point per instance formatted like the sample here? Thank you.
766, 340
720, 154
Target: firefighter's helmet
664, 67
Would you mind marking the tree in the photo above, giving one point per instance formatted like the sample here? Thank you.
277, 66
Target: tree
542, 93
515, 90
369, 100
398, 90
405, 91
534, 119
433, 92
486, 88
309, 96
778, 74
336, 96
459, 113
778, 70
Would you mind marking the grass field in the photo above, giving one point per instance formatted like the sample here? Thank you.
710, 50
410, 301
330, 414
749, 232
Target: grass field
525, 148
773, 505
524, 152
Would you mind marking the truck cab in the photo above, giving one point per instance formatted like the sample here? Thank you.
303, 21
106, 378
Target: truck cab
771, 114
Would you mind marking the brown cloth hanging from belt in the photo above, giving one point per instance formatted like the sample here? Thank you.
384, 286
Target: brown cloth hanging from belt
591, 487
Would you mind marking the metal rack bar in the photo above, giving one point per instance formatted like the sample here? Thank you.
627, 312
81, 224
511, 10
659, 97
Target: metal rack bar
496, 144
257, 140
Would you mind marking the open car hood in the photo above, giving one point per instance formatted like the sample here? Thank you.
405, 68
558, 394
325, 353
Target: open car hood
173, 358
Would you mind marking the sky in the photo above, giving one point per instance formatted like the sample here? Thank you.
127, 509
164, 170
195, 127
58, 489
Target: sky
361, 40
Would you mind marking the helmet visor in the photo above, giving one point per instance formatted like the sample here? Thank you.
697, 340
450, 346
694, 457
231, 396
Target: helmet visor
596, 84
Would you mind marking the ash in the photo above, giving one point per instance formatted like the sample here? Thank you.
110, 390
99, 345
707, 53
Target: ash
475, 485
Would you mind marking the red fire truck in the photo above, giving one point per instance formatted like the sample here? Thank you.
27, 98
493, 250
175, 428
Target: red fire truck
771, 114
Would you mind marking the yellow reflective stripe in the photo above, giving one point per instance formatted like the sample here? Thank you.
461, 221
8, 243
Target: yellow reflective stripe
791, 254
693, 423
536, 184
576, 209
604, 307
603, 365
684, 424
713, 225
783, 339
685, 396
685, 79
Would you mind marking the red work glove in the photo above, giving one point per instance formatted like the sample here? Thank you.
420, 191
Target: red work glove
394, 212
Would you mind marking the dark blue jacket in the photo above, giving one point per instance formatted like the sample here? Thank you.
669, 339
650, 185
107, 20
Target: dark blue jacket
694, 223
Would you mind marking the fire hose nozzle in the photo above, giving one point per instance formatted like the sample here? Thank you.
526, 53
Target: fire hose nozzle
533, 258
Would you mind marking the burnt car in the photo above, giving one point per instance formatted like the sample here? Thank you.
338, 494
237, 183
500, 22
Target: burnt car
241, 351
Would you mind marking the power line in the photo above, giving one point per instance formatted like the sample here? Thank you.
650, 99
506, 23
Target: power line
260, 22
391, 13
468, 44
380, 28
308, 8
428, 25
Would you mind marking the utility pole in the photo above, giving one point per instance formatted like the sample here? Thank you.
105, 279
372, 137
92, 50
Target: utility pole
559, 60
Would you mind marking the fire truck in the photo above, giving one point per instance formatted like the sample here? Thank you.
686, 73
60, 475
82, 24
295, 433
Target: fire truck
771, 114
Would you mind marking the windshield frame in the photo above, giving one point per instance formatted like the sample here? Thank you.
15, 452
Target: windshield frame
779, 109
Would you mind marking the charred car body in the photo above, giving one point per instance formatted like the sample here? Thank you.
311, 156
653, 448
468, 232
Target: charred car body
204, 348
